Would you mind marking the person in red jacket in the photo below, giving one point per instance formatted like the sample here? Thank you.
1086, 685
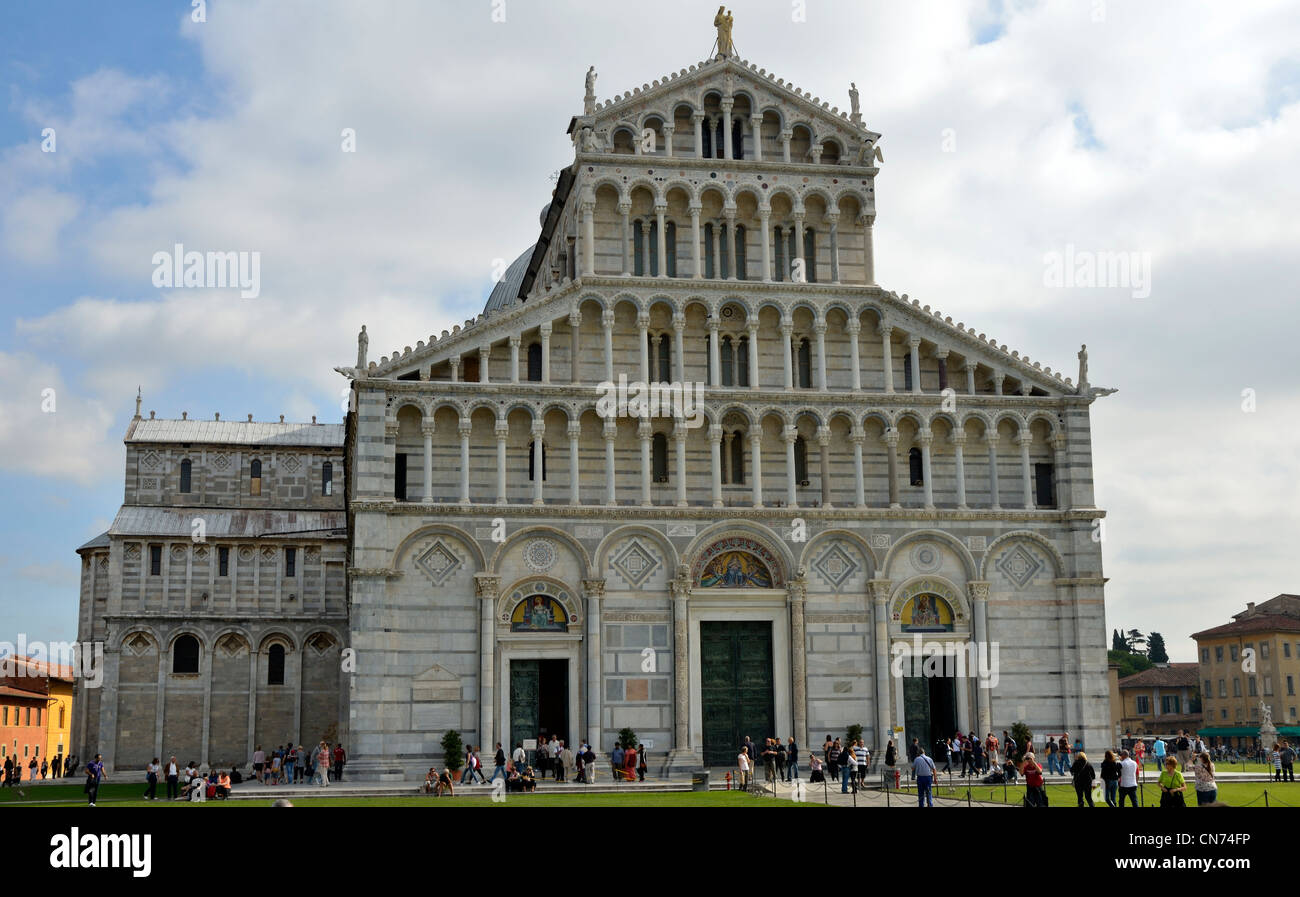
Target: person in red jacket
339, 759
1035, 796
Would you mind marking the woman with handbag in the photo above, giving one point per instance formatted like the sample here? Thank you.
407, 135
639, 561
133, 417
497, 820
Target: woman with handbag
1172, 785
1082, 775
1207, 790
1035, 796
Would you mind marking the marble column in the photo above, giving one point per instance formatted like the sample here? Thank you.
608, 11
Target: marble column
765, 239
733, 257
455, 370
991, 440
726, 129
588, 238
969, 366
1026, 469
819, 328
715, 463
681, 666
484, 364
834, 220
914, 359
886, 345
859, 486
695, 242
644, 433
514, 358
853, 327
661, 210
669, 130
868, 250
756, 128
979, 599
792, 484
785, 145
958, 443
697, 118
891, 446
427, 429
575, 353
575, 471
756, 463
502, 432
463, 431
607, 321
486, 587
539, 461
879, 590
642, 332
787, 369
679, 437
645, 247
715, 364
941, 354
717, 251
545, 331
625, 236
997, 382
925, 437
609, 432
798, 244
797, 593
593, 590
751, 329
824, 460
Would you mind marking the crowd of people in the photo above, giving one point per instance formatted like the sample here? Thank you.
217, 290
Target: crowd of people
38, 771
551, 756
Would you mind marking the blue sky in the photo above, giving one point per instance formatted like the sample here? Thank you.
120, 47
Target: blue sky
1149, 128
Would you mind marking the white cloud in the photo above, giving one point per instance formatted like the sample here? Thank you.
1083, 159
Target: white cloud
33, 222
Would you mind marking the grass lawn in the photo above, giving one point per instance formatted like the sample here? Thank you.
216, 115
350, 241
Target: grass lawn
1237, 794
128, 796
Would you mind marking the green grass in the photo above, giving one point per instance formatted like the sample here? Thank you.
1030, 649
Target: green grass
1237, 794
127, 796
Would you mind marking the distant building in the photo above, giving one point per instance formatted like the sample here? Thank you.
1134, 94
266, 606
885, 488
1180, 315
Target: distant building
35, 711
1252, 660
1158, 701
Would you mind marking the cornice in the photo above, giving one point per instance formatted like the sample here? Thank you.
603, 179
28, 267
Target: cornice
755, 166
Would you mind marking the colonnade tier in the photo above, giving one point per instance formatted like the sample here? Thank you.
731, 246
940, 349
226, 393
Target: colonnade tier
736, 439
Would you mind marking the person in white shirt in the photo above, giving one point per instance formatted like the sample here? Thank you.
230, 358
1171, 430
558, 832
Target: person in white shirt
1128, 770
742, 760
519, 758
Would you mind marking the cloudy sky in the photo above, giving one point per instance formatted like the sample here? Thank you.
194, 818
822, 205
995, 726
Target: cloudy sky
1011, 130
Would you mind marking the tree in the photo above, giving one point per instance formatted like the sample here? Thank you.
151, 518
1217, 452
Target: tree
1137, 642
1156, 649
854, 733
1020, 732
1117, 642
452, 749
627, 738
1128, 663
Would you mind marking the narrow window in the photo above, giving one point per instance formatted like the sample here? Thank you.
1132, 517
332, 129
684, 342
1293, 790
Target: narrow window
290, 562
532, 458
708, 359
665, 358
810, 254
275, 665
801, 460
710, 264
718, 135
186, 470
728, 362
638, 249
737, 140
790, 254
62, 718
914, 470
742, 361
185, 655
327, 479
670, 229
907, 372
535, 362
155, 560
780, 256
741, 262
255, 477
706, 135
399, 476
1044, 488
223, 561
805, 364
659, 457
738, 459
1290, 685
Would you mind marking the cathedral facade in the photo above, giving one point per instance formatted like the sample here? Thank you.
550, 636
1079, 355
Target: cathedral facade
829, 478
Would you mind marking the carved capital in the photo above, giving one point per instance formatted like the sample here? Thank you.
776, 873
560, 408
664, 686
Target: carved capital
487, 586
593, 588
607, 319
879, 589
978, 591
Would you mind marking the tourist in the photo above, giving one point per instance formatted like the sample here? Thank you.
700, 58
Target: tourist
641, 765
557, 749
340, 758
629, 763
1082, 775
45, 768
543, 756
1128, 778
323, 764
277, 763
891, 757
742, 770
1183, 745
833, 760
564, 762
616, 762
848, 764
528, 781
1035, 793
1207, 790
444, 785
223, 785
499, 763
1140, 752
941, 754
779, 747
151, 776
1172, 785
991, 750
9, 771
967, 755
259, 764
173, 778
815, 773
1275, 757
1063, 753
1049, 749
978, 763
1009, 771
826, 755
430, 782
791, 760
923, 768
519, 758
1288, 761
1110, 777
290, 763
1158, 753
300, 769
769, 761
860, 757
468, 773
589, 762
34, 766
1008, 745
94, 775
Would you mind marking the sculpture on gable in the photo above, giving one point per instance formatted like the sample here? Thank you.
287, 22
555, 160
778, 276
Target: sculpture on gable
722, 21
589, 100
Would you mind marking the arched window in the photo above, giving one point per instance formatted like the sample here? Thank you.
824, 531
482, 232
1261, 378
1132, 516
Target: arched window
739, 255
670, 231
327, 479
638, 249
255, 477
727, 362
810, 254
659, 457
535, 362
780, 259
737, 458
399, 476
790, 254
805, 365
737, 140
185, 655
652, 234
718, 135
914, 471
275, 665
800, 461
708, 362
186, 469
706, 134
710, 263
665, 358
742, 361
907, 371
532, 447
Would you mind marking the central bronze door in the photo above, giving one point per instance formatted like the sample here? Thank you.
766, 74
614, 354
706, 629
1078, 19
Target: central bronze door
735, 687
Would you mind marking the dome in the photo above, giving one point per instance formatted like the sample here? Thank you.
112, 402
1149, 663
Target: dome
541, 219
507, 288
